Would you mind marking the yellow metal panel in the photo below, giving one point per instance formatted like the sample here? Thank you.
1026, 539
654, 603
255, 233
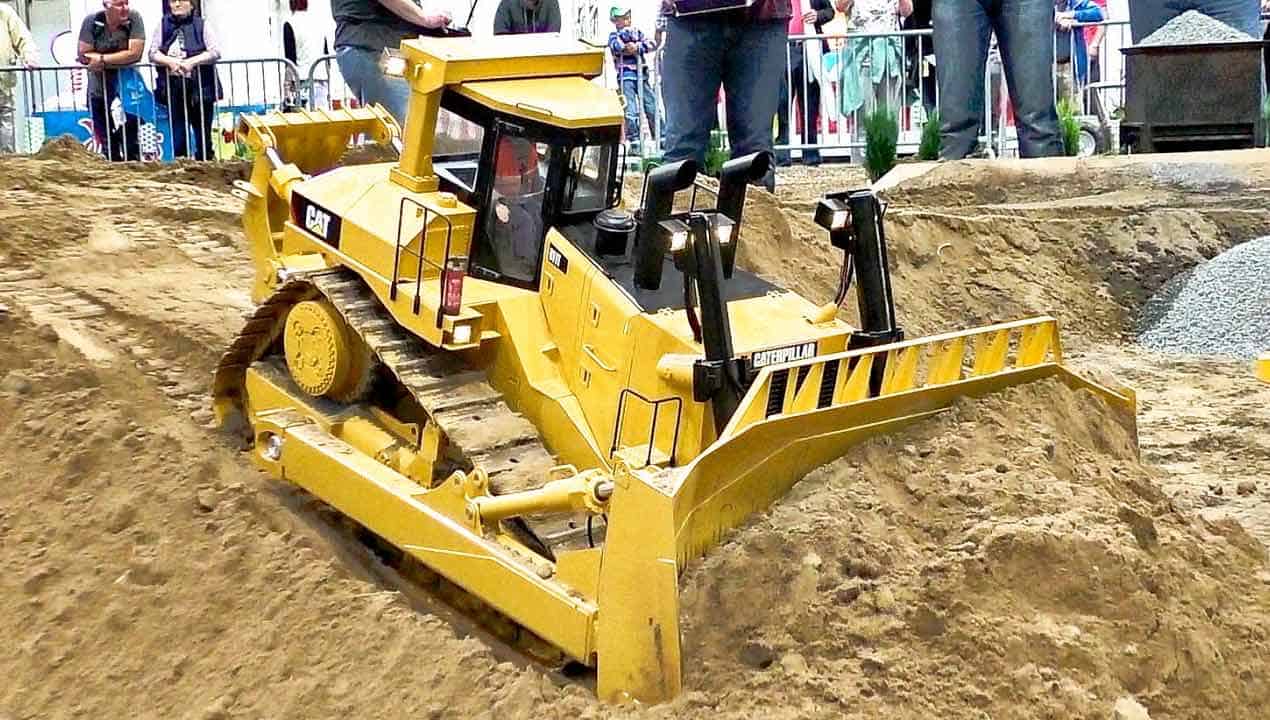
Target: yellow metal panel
569, 102
394, 508
638, 639
901, 369
947, 365
506, 56
856, 386
808, 393
990, 351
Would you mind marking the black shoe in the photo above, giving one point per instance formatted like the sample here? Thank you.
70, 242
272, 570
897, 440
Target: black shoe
811, 159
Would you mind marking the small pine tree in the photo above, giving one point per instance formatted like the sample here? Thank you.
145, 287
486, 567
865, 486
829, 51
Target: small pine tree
931, 143
716, 155
1068, 127
880, 136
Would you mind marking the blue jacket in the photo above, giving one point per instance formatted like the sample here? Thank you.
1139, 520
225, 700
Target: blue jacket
1065, 41
628, 65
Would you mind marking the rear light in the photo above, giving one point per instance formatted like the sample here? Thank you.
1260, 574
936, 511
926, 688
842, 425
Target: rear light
452, 285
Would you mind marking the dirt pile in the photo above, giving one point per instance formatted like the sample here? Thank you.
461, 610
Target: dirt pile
149, 571
1008, 559
976, 242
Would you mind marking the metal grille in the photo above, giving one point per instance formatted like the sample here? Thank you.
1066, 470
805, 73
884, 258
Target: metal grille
776, 393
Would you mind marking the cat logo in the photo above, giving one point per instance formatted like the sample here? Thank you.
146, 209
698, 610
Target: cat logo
781, 355
557, 258
318, 220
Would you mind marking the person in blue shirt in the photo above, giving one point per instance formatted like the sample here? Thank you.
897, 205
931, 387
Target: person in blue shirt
629, 46
1070, 53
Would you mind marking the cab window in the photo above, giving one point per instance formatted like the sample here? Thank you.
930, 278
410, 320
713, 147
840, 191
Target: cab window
590, 182
513, 227
457, 150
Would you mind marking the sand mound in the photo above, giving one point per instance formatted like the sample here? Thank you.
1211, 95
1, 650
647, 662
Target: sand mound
149, 571
67, 149
1010, 554
975, 242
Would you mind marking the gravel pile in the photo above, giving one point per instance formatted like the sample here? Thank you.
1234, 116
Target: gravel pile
1221, 307
1194, 27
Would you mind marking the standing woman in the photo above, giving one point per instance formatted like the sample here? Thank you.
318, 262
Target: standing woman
185, 49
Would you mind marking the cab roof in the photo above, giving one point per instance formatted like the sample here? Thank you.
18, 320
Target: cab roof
532, 53
567, 102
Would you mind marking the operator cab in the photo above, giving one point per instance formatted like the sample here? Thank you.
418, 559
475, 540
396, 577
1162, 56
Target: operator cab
524, 177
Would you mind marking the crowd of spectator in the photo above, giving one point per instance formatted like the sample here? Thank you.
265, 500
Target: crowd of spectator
773, 65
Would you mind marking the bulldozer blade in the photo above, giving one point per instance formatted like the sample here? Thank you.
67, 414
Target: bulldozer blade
795, 418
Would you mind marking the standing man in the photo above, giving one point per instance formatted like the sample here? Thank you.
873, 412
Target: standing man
363, 30
742, 50
15, 47
518, 17
802, 83
1024, 30
1147, 16
110, 39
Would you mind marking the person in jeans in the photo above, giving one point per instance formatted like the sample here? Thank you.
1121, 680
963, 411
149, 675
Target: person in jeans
109, 39
1071, 60
1147, 16
630, 47
363, 30
1024, 30
741, 50
185, 50
16, 47
802, 83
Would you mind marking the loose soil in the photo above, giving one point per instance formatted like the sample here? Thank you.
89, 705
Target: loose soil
1018, 556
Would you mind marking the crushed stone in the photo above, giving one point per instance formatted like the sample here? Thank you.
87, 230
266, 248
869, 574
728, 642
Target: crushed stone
1220, 307
1193, 28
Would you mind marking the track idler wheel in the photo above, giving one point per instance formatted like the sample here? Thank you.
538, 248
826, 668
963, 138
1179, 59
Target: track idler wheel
324, 356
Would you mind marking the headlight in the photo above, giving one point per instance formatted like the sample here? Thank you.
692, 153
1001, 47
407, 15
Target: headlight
833, 213
678, 241
677, 231
840, 218
462, 334
394, 65
723, 227
273, 448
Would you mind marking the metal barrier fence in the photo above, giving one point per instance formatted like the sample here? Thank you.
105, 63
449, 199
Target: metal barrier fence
828, 89
142, 111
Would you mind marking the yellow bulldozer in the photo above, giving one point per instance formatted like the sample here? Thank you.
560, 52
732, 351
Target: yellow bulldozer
550, 401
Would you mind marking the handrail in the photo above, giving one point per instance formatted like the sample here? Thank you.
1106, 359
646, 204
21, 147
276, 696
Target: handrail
421, 256
652, 432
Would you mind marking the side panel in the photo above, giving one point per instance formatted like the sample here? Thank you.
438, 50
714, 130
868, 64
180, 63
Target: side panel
606, 354
565, 274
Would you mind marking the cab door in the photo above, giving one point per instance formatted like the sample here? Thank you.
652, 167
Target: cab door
604, 355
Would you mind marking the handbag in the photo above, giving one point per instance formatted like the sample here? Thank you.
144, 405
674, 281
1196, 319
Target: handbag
134, 95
